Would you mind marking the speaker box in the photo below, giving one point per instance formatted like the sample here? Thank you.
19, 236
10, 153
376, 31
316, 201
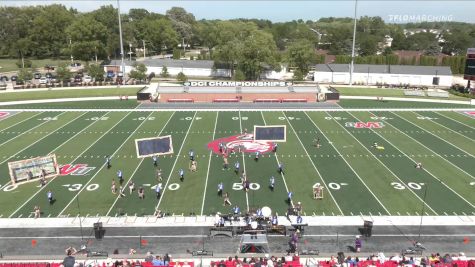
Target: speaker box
435, 80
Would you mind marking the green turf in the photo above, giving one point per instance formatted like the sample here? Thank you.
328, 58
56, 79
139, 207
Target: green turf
68, 93
358, 178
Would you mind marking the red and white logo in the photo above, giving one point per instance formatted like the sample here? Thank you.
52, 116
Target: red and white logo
3, 114
471, 113
365, 125
244, 141
76, 169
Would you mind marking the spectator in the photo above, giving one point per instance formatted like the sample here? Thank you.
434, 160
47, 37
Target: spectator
166, 259
157, 261
69, 261
148, 257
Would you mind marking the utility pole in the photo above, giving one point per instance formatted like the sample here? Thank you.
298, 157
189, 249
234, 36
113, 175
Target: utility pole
353, 46
71, 50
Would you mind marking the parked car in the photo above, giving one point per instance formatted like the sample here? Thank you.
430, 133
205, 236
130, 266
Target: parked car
76, 64
110, 74
4, 78
37, 75
43, 80
77, 79
19, 82
53, 79
87, 79
48, 75
14, 78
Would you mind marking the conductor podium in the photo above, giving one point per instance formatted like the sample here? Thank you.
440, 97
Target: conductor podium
367, 229
99, 231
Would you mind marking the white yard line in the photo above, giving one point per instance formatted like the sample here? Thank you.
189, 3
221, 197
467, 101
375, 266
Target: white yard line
313, 164
209, 164
138, 165
276, 158
433, 135
102, 166
374, 156
424, 169
29, 130
441, 125
253, 109
49, 133
244, 161
435, 153
342, 157
41, 189
21, 120
176, 160
455, 120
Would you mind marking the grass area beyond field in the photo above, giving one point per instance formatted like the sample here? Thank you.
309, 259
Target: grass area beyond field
8, 65
68, 93
385, 92
359, 176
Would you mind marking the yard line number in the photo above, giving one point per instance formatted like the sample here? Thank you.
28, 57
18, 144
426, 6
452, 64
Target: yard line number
252, 186
333, 186
412, 185
77, 187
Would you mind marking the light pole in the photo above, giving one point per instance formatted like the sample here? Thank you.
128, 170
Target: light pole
353, 46
120, 39
71, 50
130, 52
143, 42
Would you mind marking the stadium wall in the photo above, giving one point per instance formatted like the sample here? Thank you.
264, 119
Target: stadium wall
373, 78
247, 97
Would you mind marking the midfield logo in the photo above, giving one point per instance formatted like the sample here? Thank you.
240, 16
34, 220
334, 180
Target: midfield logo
76, 169
245, 141
365, 125
471, 113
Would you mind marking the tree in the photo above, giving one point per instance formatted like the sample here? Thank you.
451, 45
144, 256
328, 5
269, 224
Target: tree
164, 73
239, 76
64, 73
182, 21
47, 30
301, 55
298, 75
181, 77
96, 72
159, 34
139, 73
25, 75
457, 42
88, 37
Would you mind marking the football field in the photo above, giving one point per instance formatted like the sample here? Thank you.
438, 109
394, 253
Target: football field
358, 177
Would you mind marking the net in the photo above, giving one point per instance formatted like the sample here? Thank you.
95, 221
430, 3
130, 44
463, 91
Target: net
32, 169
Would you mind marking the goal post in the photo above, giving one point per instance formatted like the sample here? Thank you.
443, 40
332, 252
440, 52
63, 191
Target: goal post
28, 170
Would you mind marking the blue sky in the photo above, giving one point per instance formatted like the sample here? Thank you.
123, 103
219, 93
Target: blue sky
278, 11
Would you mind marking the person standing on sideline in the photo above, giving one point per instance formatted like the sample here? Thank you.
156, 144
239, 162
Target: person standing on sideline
181, 172
120, 177
50, 197
220, 189
272, 183
358, 243
257, 156
108, 162
155, 160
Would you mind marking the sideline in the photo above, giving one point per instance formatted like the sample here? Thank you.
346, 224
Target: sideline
208, 221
